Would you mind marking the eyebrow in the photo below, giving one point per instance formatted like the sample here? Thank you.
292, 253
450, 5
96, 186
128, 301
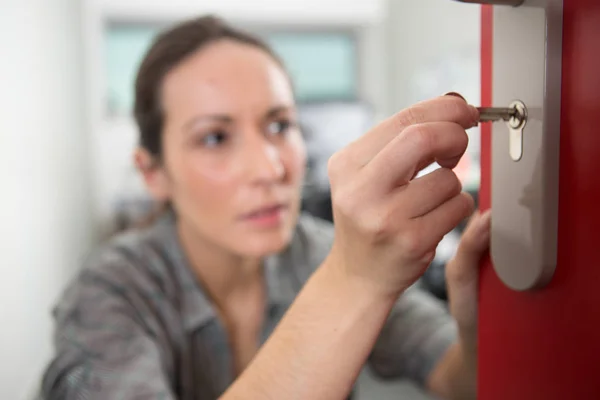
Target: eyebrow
277, 110
227, 119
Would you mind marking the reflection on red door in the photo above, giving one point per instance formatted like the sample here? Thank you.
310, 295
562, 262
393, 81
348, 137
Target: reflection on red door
546, 344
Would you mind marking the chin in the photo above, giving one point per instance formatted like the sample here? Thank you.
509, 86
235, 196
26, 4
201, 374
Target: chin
265, 244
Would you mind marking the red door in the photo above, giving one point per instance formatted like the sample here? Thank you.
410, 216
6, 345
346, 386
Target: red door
545, 344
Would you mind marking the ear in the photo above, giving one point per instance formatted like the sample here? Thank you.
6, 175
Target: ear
153, 174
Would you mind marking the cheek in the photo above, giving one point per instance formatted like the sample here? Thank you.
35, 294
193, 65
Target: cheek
206, 178
295, 157
221, 175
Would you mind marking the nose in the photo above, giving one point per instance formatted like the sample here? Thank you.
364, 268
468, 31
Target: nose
265, 165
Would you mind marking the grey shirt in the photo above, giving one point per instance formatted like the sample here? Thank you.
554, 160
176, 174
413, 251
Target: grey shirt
135, 323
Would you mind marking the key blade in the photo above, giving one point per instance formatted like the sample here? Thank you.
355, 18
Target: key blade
491, 114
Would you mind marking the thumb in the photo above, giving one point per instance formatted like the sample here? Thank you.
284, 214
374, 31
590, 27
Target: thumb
462, 272
475, 239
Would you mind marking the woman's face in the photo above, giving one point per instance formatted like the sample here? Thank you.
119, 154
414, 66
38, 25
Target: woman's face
233, 156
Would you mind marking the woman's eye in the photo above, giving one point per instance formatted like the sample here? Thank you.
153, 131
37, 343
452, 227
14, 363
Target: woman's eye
279, 127
214, 139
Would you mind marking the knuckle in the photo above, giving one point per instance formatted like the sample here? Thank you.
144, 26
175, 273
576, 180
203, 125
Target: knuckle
410, 116
462, 136
375, 223
449, 181
344, 201
445, 182
372, 222
457, 131
422, 137
412, 244
466, 204
455, 105
336, 165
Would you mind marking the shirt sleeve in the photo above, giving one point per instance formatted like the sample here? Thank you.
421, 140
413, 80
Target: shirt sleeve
103, 350
415, 337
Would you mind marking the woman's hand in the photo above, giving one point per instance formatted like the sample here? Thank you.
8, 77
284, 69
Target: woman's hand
462, 276
455, 376
388, 224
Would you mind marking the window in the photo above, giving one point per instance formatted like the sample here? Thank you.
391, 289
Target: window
125, 47
323, 65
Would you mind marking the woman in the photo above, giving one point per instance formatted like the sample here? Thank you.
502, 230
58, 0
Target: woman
233, 294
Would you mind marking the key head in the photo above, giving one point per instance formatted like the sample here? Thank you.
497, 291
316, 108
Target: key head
518, 119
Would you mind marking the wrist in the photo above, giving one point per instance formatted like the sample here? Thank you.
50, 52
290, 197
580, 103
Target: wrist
360, 288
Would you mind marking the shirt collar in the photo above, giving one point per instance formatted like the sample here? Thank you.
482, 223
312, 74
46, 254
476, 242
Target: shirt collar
196, 308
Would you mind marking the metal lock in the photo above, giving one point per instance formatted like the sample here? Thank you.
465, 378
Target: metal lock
515, 116
525, 182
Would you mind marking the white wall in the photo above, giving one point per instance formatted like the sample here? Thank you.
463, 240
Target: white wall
433, 48
272, 11
433, 45
44, 210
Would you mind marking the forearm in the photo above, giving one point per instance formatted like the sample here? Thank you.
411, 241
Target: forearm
321, 344
455, 376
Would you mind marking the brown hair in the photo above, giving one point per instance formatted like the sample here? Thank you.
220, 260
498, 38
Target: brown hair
169, 49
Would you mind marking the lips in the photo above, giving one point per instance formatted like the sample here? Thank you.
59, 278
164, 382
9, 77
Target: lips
265, 211
267, 217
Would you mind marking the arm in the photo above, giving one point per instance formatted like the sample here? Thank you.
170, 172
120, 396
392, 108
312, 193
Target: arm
321, 344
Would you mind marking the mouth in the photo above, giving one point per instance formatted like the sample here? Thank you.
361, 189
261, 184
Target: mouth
267, 216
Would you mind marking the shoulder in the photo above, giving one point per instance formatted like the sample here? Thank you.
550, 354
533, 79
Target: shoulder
133, 254
127, 267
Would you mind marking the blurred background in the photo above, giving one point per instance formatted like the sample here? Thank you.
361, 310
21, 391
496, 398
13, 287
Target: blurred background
67, 135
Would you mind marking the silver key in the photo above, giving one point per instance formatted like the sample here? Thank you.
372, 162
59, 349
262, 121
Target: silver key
492, 114
515, 116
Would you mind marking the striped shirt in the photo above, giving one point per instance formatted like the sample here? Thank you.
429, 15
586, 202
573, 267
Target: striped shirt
136, 324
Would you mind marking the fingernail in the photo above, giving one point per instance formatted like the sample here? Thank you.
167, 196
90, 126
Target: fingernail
475, 112
455, 95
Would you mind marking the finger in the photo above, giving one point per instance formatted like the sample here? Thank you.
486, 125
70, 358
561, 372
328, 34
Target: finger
474, 242
475, 239
398, 162
462, 272
428, 192
439, 109
434, 225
